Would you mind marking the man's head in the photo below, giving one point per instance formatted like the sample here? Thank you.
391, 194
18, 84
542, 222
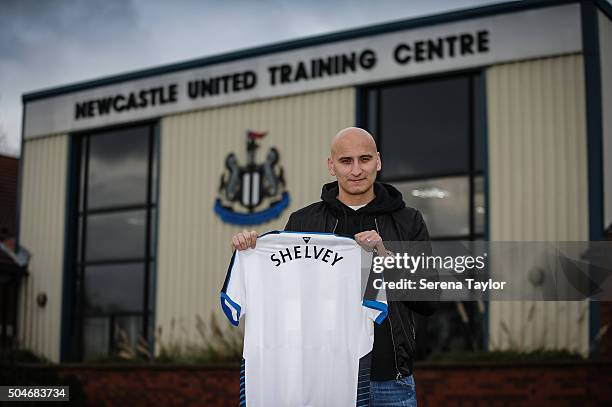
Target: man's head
354, 161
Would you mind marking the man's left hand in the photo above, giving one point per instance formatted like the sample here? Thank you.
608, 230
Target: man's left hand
370, 240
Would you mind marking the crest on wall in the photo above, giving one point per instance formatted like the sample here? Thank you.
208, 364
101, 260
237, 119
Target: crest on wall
245, 189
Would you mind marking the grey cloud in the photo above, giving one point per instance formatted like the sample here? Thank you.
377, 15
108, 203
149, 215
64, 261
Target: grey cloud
26, 25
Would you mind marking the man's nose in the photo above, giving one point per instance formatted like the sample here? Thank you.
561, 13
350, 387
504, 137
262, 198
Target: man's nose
356, 168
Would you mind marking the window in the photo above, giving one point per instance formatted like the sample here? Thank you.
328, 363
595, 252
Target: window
115, 255
430, 134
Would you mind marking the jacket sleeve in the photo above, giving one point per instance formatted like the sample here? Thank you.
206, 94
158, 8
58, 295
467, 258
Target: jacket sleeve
291, 224
421, 234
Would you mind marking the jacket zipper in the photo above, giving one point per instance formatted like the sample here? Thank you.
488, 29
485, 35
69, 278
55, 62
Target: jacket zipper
412, 326
399, 374
335, 226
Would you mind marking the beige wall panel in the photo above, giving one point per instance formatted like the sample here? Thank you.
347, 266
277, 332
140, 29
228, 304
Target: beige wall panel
538, 186
43, 203
193, 243
605, 55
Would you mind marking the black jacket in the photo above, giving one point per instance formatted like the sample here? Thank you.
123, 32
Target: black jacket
395, 339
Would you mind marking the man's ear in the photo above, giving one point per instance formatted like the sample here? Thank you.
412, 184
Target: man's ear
378, 162
330, 166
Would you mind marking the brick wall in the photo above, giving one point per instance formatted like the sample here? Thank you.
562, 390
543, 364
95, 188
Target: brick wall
142, 386
550, 384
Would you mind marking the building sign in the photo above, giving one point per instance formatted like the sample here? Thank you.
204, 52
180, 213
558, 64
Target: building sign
438, 48
242, 189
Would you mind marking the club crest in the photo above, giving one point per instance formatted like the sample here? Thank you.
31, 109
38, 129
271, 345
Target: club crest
243, 189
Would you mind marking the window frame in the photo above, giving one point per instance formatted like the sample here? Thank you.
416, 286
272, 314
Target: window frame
363, 116
74, 333
477, 122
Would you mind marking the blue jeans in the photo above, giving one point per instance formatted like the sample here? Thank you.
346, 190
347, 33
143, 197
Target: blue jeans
393, 393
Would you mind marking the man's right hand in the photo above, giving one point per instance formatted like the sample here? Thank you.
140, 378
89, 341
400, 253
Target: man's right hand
244, 240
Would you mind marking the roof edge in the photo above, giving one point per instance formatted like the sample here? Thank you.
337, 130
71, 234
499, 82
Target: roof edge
605, 7
452, 16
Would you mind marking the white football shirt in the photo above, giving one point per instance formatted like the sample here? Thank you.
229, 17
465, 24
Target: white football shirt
306, 325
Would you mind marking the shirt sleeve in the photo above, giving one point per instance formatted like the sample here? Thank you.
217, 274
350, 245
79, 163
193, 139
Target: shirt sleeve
374, 300
233, 291
376, 310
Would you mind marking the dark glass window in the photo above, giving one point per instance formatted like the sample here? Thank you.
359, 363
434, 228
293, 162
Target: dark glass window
96, 337
118, 167
116, 235
430, 134
114, 288
116, 225
444, 203
424, 128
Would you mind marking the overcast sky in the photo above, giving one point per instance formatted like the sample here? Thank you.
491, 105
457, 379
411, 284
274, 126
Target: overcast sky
48, 43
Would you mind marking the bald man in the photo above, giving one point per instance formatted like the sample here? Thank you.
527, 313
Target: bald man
373, 213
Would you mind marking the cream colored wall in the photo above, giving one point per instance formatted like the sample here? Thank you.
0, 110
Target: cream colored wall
538, 186
43, 203
193, 243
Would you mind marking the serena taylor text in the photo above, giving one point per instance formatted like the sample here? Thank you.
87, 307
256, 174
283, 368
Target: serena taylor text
424, 284
455, 264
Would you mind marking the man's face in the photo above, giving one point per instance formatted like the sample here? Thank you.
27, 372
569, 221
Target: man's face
354, 162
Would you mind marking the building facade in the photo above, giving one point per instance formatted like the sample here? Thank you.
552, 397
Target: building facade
491, 121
